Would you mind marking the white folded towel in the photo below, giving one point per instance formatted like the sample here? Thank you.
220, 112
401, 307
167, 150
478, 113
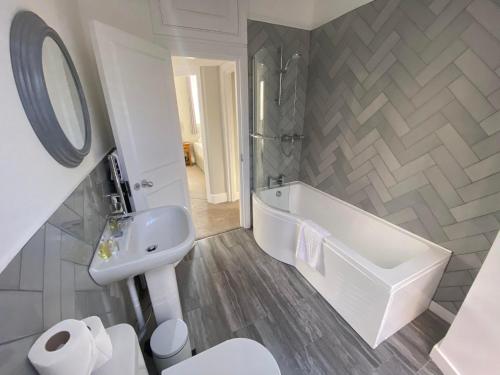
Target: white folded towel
309, 244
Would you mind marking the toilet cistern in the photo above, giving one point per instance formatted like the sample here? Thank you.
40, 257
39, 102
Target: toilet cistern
150, 242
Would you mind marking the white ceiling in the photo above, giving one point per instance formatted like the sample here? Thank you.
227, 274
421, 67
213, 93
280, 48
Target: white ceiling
304, 14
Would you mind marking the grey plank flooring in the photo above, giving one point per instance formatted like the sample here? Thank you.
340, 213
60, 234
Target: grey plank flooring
230, 288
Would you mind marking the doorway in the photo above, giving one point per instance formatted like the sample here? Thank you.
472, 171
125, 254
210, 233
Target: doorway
206, 98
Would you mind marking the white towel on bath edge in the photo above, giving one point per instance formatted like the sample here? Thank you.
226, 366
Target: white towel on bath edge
309, 244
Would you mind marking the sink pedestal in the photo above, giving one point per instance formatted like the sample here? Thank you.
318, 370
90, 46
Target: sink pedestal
164, 294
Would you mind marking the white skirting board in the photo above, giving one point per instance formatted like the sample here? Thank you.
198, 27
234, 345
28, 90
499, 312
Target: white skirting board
217, 198
440, 311
442, 361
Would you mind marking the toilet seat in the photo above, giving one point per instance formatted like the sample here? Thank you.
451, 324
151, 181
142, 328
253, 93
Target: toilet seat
232, 357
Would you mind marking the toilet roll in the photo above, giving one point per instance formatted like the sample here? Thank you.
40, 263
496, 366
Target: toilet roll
104, 349
66, 348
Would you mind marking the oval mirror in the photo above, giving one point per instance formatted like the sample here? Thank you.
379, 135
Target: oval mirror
50, 89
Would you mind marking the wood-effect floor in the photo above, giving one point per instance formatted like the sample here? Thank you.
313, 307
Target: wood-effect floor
230, 288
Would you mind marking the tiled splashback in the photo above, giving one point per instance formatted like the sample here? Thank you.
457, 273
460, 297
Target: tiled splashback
48, 280
402, 120
266, 39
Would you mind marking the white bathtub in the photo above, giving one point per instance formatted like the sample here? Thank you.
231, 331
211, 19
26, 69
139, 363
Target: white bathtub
378, 276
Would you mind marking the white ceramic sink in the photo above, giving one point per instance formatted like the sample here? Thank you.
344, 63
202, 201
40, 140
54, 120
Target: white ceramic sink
151, 239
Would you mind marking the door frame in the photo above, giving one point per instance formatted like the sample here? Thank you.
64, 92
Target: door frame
237, 53
229, 129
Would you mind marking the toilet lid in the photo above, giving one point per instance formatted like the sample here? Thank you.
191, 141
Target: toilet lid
169, 338
232, 357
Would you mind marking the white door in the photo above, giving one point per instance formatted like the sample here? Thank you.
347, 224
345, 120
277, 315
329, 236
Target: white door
138, 84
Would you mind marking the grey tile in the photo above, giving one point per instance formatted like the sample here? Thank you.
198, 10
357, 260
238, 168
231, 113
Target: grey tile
75, 250
411, 35
463, 122
366, 141
418, 13
10, 276
403, 79
447, 37
448, 294
460, 263
381, 190
443, 187
357, 186
68, 220
21, 314
383, 51
430, 368
384, 15
403, 216
418, 165
363, 157
486, 13
363, 30
449, 55
457, 146
495, 97
83, 281
484, 168
395, 119
488, 146
431, 107
489, 48
437, 6
387, 155
445, 17
479, 207
376, 200
492, 124
481, 188
370, 110
410, 184
339, 62
436, 86
450, 168
357, 68
436, 205
399, 100
13, 358
52, 277
471, 98
408, 58
32, 261
360, 172
427, 127
478, 72
379, 71
67, 290
383, 171
471, 227
468, 245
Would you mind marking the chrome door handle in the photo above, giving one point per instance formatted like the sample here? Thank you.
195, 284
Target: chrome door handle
146, 183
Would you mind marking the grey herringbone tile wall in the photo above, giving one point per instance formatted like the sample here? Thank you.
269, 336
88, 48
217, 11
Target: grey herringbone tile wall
48, 280
265, 40
402, 119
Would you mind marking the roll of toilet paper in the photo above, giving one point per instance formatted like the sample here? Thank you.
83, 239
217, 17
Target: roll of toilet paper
104, 348
66, 348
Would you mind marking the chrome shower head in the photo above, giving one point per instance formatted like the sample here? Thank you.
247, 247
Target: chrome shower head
295, 56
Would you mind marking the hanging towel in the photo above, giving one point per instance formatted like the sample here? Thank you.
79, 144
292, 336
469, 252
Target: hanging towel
309, 244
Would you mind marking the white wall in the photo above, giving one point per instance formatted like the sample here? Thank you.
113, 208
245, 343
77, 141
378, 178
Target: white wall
308, 14
33, 183
212, 109
472, 343
183, 93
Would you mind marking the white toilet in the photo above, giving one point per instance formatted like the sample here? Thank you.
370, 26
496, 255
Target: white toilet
236, 356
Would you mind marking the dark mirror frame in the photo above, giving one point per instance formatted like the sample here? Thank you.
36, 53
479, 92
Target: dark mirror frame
27, 34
